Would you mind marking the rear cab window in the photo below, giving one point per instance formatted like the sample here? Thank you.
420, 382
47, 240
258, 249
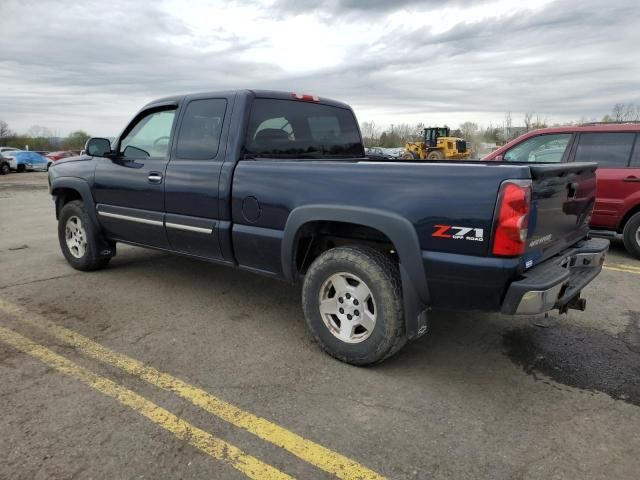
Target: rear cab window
541, 149
608, 150
297, 129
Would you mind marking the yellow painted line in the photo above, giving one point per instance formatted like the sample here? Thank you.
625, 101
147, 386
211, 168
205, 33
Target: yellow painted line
307, 450
204, 441
621, 268
618, 265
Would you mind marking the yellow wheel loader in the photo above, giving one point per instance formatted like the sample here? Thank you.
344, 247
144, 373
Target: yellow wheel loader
437, 144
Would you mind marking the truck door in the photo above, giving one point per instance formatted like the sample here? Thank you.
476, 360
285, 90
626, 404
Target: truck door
129, 190
612, 151
191, 188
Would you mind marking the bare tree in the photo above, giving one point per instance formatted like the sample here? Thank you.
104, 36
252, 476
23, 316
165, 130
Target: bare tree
469, 131
403, 131
528, 117
38, 131
623, 113
4, 129
618, 112
540, 122
370, 133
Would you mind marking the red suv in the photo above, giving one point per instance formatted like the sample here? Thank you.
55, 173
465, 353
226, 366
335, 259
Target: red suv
616, 149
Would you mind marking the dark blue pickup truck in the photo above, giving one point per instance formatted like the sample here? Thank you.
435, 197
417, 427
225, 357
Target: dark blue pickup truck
278, 184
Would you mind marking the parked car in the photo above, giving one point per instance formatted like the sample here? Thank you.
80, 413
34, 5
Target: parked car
616, 149
8, 149
58, 155
376, 153
278, 184
394, 153
5, 166
23, 160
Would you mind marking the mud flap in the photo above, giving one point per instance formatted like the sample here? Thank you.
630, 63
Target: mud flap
415, 313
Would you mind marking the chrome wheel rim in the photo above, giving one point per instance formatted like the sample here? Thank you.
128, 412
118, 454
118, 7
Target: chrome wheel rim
76, 237
347, 307
638, 236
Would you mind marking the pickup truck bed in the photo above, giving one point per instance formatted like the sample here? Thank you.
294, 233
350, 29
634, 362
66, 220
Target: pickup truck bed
284, 190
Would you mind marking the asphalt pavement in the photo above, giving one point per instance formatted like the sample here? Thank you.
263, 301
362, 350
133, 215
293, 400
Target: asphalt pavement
166, 367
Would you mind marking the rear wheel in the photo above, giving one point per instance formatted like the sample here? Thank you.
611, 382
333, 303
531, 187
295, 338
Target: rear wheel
79, 238
352, 302
21, 168
435, 155
631, 235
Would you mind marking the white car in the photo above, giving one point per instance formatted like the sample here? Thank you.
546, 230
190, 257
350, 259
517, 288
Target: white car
8, 149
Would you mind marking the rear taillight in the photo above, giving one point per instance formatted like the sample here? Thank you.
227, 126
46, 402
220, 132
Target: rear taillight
512, 220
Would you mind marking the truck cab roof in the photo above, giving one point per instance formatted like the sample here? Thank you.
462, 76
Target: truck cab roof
275, 94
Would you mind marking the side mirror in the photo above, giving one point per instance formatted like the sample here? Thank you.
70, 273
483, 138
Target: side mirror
499, 158
98, 147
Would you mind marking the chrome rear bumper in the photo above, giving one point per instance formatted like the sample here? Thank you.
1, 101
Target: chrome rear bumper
557, 282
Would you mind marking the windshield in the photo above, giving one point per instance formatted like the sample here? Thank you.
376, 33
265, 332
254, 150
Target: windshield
283, 128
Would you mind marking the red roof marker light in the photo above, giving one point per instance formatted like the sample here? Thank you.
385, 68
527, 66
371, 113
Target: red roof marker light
305, 97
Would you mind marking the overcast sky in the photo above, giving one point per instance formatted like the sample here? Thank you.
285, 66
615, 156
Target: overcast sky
90, 64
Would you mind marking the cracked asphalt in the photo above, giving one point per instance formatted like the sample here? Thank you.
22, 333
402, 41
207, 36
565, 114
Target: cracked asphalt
480, 397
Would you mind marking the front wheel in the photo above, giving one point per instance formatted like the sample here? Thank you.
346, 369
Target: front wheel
631, 235
79, 238
5, 169
352, 302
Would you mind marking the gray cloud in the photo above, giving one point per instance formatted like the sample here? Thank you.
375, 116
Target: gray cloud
369, 7
89, 62
91, 67
561, 61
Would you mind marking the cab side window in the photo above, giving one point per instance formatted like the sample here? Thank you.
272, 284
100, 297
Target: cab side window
610, 150
199, 136
540, 149
149, 137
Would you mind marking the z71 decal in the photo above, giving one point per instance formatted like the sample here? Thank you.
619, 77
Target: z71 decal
459, 233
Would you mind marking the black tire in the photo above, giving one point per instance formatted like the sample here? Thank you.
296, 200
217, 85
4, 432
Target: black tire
435, 155
631, 235
409, 155
4, 168
90, 258
21, 169
381, 276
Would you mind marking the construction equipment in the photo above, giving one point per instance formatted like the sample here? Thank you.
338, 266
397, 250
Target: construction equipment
437, 144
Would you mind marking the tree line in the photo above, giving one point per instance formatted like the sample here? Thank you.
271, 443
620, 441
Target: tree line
399, 134
39, 138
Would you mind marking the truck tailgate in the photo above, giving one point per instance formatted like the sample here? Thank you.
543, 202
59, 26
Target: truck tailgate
563, 196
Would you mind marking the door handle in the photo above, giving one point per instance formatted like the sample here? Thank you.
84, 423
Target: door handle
155, 177
631, 178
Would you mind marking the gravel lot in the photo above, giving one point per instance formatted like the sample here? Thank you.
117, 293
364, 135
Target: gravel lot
481, 396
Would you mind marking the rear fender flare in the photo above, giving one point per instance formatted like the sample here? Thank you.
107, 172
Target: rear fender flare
398, 229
